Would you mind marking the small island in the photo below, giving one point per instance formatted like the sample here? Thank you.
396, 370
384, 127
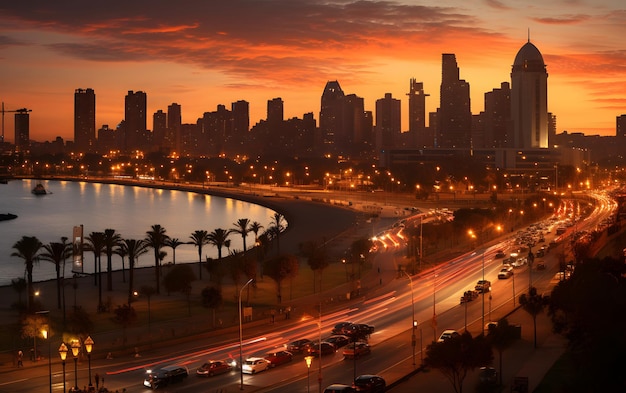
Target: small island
39, 189
7, 216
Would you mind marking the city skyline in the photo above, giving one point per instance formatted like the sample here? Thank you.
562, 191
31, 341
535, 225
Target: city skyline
203, 55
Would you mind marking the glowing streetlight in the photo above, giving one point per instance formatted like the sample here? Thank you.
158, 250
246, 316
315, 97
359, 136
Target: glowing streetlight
88, 347
63, 354
241, 336
75, 346
308, 360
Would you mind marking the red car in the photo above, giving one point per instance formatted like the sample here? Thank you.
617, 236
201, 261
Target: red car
357, 349
213, 367
276, 358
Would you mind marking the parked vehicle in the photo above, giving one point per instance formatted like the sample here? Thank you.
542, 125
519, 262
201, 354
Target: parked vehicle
446, 334
468, 296
483, 286
276, 358
164, 376
213, 367
356, 349
298, 346
254, 365
370, 384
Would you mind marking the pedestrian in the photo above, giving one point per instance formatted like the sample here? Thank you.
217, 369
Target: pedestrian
97, 380
20, 356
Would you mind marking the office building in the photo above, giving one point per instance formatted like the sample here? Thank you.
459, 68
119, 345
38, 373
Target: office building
388, 129
620, 126
496, 122
84, 120
135, 124
22, 130
417, 115
454, 120
174, 122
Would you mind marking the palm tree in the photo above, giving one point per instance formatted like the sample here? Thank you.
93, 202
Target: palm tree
56, 253
199, 238
276, 227
156, 238
255, 228
218, 239
95, 243
133, 248
111, 240
533, 303
18, 285
173, 243
27, 248
242, 227
122, 253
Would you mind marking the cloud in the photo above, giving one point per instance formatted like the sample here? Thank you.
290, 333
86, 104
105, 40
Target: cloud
497, 5
562, 20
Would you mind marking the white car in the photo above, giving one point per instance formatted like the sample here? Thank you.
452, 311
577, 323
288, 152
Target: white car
255, 365
505, 272
448, 333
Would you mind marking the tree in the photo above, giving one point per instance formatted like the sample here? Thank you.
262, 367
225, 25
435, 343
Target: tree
174, 243
32, 326
211, 298
242, 227
28, 248
121, 251
501, 336
534, 303
218, 239
255, 228
18, 285
79, 322
125, 315
111, 241
456, 356
178, 279
316, 258
95, 243
199, 238
156, 240
56, 253
280, 268
276, 228
133, 248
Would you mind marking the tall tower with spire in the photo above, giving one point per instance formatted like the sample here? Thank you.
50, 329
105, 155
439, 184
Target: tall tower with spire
529, 99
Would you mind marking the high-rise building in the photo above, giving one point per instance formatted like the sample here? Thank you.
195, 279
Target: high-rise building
332, 113
22, 130
388, 120
174, 122
241, 118
159, 130
417, 114
454, 121
135, 123
84, 120
620, 126
275, 112
497, 118
529, 99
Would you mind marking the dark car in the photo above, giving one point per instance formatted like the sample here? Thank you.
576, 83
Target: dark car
298, 346
327, 349
338, 340
369, 383
276, 358
339, 388
357, 349
483, 286
488, 374
358, 330
340, 327
214, 367
500, 254
164, 376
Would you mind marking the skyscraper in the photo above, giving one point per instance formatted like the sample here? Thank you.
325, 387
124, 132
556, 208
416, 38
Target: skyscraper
454, 121
529, 99
332, 113
620, 126
388, 117
84, 120
417, 114
135, 123
22, 130
275, 112
241, 118
174, 122
159, 130
497, 118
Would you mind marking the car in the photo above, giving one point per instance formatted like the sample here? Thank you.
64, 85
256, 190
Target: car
540, 253
326, 349
483, 286
488, 374
519, 262
340, 327
214, 367
276, 358
500, 254
541, 265
356, 350
298, 346
468, 296
505, 272
490, 325
369, 383
164, 376
358, 330
446, 334
339, 388
254, 365
338, 340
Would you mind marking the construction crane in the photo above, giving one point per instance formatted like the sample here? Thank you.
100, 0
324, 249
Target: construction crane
22, 110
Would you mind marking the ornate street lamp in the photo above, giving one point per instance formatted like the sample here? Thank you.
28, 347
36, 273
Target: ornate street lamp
45, 333
75, 345
308, 360
241, 335
63, 353
88, 348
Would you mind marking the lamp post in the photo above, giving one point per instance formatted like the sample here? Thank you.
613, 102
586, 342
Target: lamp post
63, 355
45, 333
413, 321
308, 360
75, 346
241, 336
473, 236
88, 348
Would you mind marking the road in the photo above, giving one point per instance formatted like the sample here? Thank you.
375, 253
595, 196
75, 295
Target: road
391, 309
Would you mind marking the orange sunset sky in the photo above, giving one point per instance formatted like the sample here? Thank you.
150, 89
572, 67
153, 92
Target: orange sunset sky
203, 53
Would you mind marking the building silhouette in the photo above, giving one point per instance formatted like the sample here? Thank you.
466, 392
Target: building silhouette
85, 120
173, 134
620, 126
22, 130
417, 115
159, 131
135, 125
388, 117
454, 118
496, 119
529, 99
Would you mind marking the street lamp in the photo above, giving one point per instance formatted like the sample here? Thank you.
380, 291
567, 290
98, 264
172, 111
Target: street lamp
75, 345
473, 236
241, 335
88, 348
63, 354
413, 321
45, 333
308, 360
